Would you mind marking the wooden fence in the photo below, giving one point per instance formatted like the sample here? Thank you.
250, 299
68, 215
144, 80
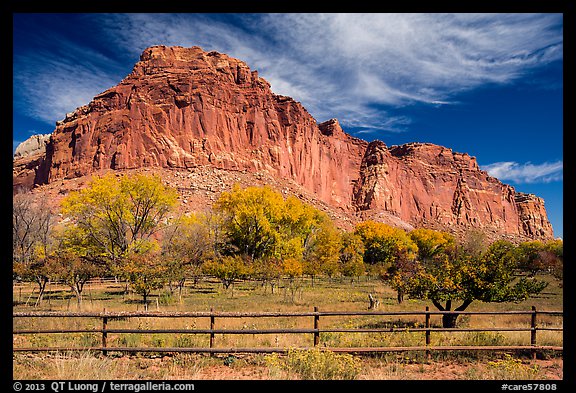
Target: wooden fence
314, 332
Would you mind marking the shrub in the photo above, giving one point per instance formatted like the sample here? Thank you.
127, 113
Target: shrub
485, 338
315, 364
512, 368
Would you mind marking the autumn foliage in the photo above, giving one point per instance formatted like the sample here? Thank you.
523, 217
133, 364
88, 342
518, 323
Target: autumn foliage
129, 227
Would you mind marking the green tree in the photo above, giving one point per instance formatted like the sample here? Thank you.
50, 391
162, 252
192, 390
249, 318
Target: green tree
146, 271
228, 269
119, 215
528, 256
537, 257
464, 277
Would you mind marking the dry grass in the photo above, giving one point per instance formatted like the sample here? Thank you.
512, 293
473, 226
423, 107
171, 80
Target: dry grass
88, 366
328, 295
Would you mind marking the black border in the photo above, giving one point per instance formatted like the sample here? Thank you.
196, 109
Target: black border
566, 7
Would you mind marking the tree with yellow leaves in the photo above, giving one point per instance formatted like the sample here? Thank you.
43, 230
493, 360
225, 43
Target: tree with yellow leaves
252, 217
322, 250
293, 269
352, 256
431, 242
119, 214
389, 250
260, 223
186, 244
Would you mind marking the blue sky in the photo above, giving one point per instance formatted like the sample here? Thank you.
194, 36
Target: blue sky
489, 85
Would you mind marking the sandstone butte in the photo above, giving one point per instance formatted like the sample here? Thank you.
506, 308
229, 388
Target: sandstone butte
208, 120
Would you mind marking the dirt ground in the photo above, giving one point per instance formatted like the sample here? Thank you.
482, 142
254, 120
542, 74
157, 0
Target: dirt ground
551, 369
205, 368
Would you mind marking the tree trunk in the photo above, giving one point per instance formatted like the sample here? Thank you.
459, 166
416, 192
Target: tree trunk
42, 282
373, 302
272, 284
78, 296
181, 284
400, 296
449, 320
78, 289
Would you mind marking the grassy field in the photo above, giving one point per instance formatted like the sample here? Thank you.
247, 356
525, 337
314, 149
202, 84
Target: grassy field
326, 294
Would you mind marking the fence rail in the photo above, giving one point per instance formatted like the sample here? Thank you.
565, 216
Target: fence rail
315, 331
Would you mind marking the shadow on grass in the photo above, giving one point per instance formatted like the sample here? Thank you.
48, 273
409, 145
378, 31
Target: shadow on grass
397, 324
203, 290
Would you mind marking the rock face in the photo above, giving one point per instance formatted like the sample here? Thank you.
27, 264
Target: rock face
28, 157
34, 145
532, 216
430, 185
184, 108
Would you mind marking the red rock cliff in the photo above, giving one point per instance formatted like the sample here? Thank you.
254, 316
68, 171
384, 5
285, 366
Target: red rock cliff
184, 107
422, 183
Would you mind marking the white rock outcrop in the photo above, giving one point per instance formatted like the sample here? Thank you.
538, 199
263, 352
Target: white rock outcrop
36, 144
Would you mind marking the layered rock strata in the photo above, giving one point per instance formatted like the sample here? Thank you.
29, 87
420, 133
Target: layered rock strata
184, 108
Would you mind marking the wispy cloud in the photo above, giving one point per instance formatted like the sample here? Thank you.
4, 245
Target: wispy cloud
48, 84
337, 65
526, 173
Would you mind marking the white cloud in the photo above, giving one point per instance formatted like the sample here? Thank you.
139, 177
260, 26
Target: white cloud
337, 65
527, 172
48, 85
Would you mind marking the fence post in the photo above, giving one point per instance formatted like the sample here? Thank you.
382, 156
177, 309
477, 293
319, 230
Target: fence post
533, 332
104, 333
427, 331
212, 324
316, 327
